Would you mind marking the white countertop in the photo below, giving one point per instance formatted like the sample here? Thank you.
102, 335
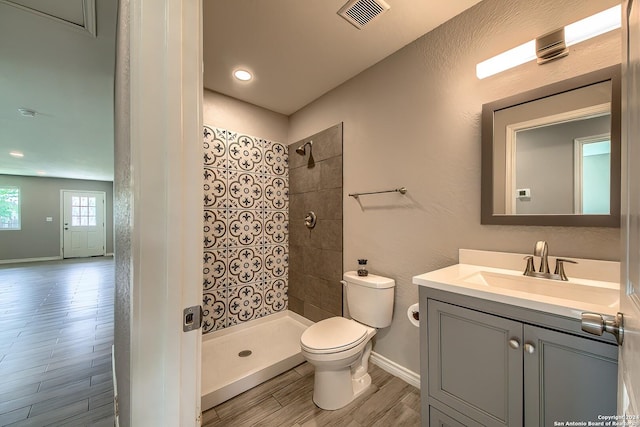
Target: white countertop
509, 286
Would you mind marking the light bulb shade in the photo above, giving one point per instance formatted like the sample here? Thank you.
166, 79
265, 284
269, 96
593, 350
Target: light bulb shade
593, 26
509, 59
577, 32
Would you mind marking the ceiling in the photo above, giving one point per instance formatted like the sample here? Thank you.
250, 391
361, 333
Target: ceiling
300, 49
58, 60
53, 64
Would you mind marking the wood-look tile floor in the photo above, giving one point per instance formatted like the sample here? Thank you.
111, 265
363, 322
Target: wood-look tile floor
286, 401
56, 333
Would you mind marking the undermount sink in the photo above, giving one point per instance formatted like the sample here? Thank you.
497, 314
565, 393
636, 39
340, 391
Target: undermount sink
551, 288
593, 285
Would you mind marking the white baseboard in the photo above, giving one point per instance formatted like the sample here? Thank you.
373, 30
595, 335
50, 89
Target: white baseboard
396, 370
15, 261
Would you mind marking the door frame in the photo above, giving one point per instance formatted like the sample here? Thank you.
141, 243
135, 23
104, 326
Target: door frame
162, 236
104, 218
629, 352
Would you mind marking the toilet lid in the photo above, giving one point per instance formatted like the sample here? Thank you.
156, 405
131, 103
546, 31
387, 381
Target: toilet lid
333, 335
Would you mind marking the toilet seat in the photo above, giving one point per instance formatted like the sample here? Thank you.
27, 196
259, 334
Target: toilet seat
333, 335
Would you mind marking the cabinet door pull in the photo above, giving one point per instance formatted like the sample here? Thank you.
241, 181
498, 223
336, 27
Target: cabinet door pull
529, 348
514, 343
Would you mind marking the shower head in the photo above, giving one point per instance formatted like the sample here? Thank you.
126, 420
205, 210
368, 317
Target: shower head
302, 150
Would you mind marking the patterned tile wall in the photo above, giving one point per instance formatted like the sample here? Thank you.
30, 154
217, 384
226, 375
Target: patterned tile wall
246, 228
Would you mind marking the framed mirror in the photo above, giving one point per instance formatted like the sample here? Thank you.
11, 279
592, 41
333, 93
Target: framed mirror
551, 156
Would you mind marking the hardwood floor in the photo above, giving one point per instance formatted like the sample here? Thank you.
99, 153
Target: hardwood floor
56, 333
286, 401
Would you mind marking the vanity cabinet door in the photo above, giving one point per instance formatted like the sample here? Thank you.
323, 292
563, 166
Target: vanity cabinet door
567, 378
475, 363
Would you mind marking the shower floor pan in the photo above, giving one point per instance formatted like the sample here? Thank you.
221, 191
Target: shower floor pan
228, 368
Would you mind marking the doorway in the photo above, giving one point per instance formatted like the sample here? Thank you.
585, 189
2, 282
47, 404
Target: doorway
83, 225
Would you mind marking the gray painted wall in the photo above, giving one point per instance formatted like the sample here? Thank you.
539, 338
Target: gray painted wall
413, 120
544, 164
40, 198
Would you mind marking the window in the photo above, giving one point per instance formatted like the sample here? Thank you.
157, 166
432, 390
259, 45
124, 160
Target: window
83, 211
9, 208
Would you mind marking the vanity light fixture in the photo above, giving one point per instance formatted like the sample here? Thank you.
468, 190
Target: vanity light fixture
242, 75
574, 33
16, 154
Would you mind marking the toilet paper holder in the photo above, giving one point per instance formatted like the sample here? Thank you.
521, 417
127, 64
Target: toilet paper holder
413, 313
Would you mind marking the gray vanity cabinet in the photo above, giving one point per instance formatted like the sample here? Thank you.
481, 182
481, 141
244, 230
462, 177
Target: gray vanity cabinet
567, 377
484, 369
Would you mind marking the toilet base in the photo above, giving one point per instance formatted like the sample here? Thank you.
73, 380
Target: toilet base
336, 389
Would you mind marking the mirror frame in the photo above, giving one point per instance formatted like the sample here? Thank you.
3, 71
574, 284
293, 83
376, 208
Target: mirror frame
613, 218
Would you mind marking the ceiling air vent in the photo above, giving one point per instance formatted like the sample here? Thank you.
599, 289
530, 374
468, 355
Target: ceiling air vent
360, 12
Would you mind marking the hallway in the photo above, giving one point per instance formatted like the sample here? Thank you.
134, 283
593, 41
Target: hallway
56, 333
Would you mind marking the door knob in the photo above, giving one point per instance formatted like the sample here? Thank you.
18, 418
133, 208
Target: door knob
595, 324
514, 343
529, 348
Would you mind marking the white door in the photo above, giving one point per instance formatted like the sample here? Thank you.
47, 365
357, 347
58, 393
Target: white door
629, 356
83, 230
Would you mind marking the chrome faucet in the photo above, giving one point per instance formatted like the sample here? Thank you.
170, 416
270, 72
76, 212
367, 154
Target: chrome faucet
542, 250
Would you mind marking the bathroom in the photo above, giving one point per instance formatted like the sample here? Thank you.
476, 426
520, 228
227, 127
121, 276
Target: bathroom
413, 120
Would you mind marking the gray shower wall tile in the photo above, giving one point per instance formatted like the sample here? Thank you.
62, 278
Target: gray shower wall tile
315, 313
245, 235
304, 180
325, 294
326, 144
315, 255
331, 173
328, 235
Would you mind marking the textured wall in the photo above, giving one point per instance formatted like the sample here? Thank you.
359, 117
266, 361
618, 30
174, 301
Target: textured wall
40, 198
315, 267
246, 214
229, 113
413, 119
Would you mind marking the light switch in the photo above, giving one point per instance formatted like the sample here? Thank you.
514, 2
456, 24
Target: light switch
49, 219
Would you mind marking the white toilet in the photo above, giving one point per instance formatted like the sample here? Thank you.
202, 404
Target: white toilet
339, 348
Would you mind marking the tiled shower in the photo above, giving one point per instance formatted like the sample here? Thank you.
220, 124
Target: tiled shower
246, 220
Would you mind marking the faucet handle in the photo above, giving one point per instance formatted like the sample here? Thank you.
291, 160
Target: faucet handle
560, 267
530, 268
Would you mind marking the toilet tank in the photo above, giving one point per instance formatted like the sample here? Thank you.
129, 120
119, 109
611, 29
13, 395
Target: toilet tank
370, 298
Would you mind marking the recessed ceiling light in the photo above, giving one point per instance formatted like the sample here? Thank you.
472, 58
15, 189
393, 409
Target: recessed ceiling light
243, 75
26, 112
16, 154
41, 172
